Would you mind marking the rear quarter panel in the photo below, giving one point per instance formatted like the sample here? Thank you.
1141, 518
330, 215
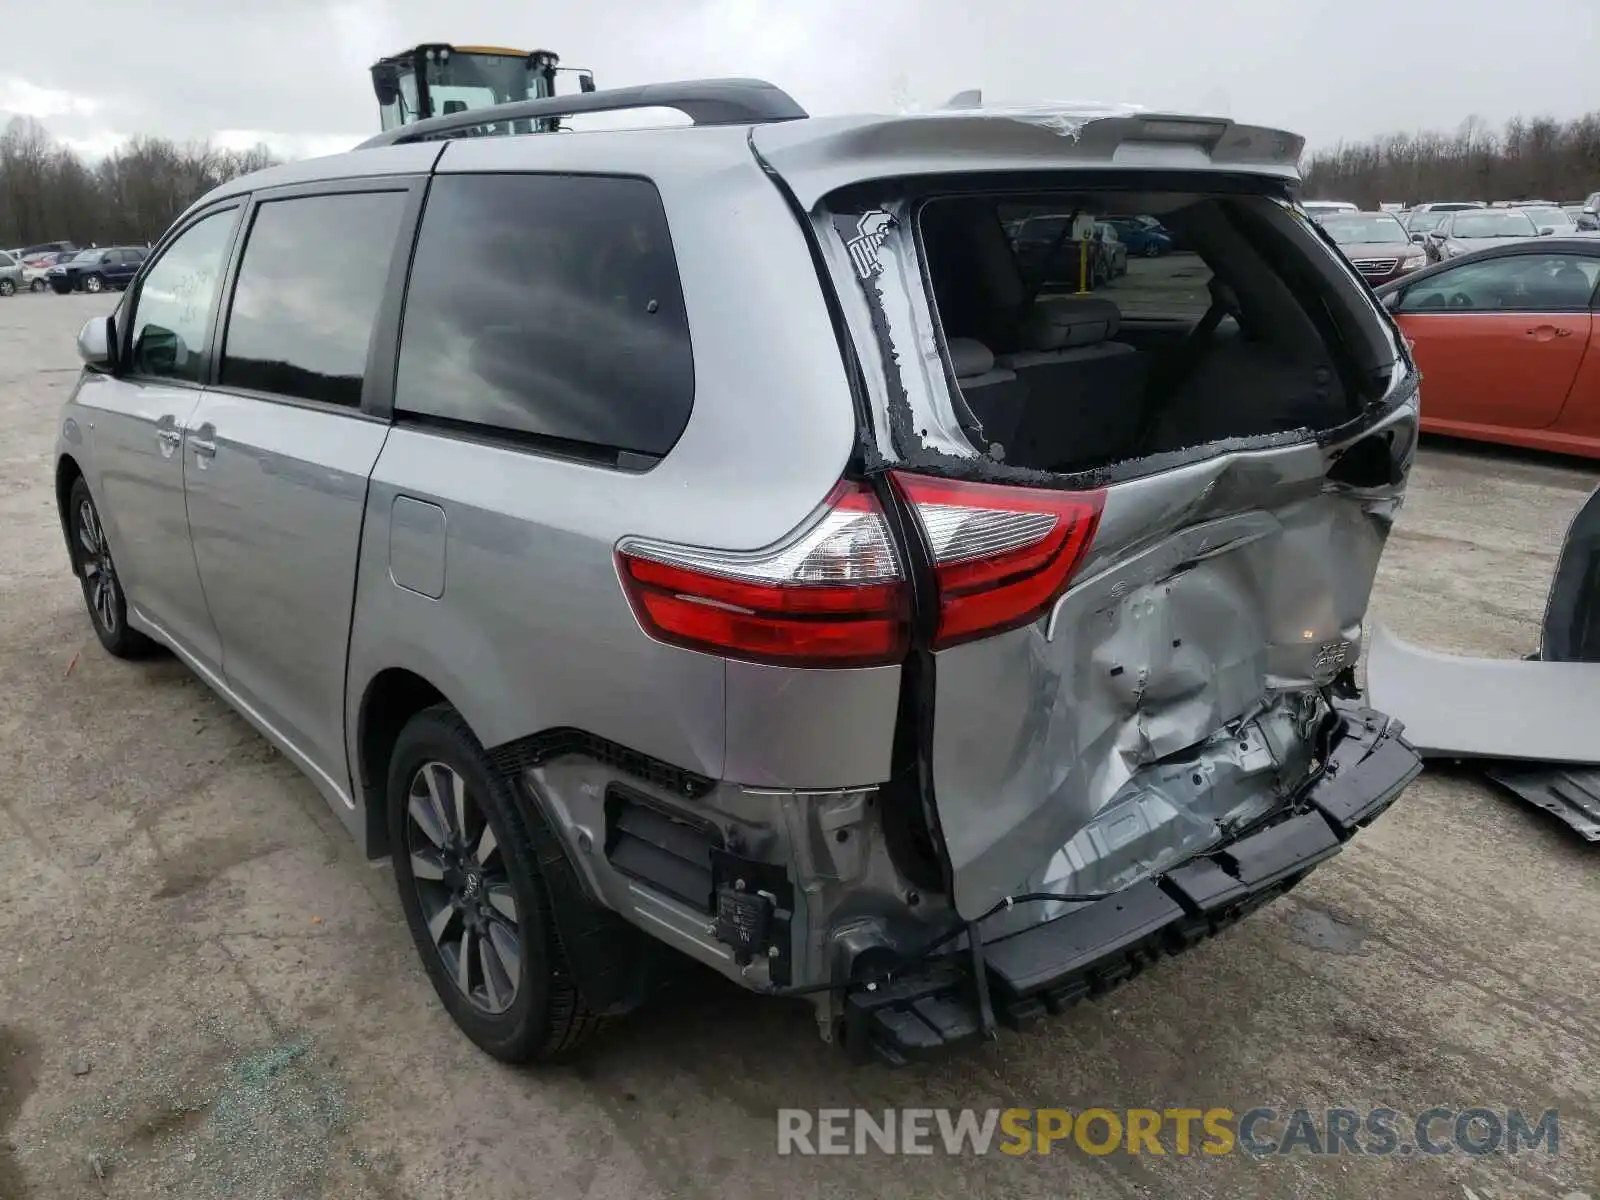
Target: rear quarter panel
532, 630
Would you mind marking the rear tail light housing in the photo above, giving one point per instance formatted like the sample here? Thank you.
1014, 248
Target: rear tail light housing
833, 594
1002, 556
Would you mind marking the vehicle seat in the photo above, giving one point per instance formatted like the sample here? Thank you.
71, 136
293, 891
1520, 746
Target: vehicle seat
1085, 391
995, 395
1569, 288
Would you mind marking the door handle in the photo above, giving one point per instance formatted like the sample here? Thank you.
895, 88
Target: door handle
203, 440
1543, 333
170, 436
1563, 333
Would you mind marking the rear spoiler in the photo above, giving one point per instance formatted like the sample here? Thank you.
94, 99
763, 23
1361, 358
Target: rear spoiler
824, 154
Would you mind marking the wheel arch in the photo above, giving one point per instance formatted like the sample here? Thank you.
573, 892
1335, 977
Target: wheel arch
391, 698
68, 472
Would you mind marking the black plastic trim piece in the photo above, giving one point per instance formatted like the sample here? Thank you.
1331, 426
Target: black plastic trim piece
1031, 960
1368, 767
729, 869
616, 966
1294, 845
661, 846
539, 748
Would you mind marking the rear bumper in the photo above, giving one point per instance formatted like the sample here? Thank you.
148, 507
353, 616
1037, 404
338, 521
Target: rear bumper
1090, 950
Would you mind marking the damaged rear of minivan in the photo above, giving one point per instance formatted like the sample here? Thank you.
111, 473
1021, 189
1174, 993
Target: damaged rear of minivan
1140, 524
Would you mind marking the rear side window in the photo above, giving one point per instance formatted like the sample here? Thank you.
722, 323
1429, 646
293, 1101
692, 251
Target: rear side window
548, 305
310, 283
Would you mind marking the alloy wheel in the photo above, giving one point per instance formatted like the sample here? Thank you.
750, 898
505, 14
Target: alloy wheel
40, 285
7, 287
464, 889
99, 573
93, 284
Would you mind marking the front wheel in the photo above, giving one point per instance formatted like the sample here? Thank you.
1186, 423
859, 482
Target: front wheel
94, 284
1152, 249
8, 287
97, 573
474, 898
39, 285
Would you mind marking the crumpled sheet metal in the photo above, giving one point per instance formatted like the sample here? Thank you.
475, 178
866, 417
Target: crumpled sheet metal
1194, 629
1456, 707
1569, 793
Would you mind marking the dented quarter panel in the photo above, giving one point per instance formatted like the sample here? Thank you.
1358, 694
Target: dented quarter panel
1216, 593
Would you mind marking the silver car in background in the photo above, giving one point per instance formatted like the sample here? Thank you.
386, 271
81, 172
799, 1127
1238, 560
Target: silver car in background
705, 543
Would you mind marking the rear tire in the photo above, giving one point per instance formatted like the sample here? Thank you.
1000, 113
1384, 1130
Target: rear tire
1152, 249
94, 283
97, 575
39, 285
471, 889
8, 287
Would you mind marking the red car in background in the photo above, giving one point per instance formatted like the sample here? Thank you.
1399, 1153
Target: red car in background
1508, 343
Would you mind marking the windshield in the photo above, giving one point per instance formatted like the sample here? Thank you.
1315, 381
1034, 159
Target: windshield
1422, 222
1363, 228
1548, 216
480, 80
1492, 225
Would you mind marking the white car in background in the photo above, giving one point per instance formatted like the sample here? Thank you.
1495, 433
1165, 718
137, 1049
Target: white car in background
1317, 209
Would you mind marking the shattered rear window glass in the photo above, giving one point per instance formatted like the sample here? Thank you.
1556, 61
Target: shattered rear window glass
989, 326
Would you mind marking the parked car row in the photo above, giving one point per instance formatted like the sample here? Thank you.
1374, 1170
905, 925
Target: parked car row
1391, 243
62, 268
1049, 254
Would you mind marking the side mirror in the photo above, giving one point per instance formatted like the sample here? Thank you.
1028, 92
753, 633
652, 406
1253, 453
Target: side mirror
585, 82
1391, 301
97, 342
1546, 230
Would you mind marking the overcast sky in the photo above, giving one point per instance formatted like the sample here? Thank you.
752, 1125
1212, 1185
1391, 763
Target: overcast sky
294, 73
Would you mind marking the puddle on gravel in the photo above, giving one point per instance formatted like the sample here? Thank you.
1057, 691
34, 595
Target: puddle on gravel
18, 1078
1329, 930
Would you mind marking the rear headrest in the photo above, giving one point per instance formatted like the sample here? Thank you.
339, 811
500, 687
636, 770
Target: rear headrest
969, 357
1063, 322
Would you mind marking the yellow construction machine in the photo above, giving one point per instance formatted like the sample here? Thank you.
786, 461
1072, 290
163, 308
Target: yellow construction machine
435, 79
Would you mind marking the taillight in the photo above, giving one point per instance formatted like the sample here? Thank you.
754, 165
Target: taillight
831, 595
1002, 555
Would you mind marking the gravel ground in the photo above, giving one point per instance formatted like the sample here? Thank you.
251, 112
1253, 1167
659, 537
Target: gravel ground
205, 992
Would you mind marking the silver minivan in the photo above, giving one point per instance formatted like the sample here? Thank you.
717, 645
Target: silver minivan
717, 543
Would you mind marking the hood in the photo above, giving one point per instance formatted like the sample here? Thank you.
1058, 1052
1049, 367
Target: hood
1358, 252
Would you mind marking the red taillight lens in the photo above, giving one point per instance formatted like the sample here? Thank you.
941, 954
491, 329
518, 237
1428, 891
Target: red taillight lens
1001, 555
832, 595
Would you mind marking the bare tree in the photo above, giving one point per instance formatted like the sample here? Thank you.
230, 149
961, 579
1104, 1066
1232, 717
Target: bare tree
1531, 158
49, 193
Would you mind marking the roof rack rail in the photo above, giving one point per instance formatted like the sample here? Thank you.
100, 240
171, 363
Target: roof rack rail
703, 101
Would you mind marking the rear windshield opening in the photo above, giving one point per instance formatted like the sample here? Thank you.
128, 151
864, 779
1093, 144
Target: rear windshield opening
1182, 320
